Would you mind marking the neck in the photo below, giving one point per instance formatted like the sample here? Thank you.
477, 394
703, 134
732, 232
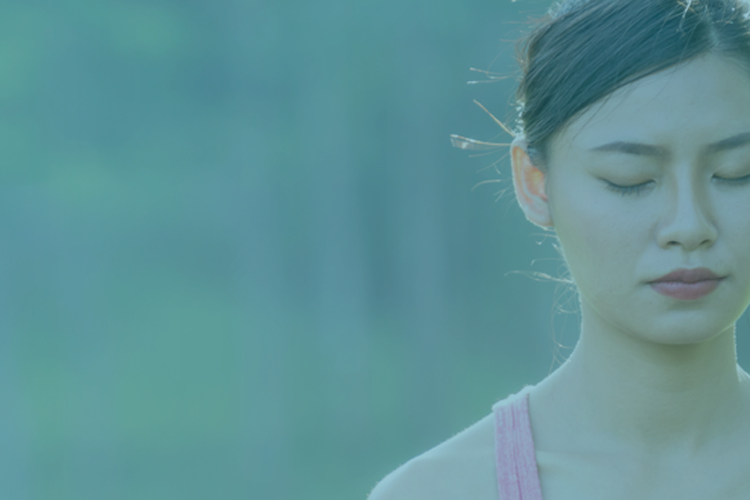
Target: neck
620, 392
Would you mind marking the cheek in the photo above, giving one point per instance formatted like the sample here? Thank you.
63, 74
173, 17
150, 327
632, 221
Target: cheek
736, 232
600, 240
734, 235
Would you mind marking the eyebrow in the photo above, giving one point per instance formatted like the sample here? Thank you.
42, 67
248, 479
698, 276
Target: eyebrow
640, 149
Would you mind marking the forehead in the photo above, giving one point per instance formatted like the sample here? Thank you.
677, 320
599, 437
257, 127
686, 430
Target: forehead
681, 109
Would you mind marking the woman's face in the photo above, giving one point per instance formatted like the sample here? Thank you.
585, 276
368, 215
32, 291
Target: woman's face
678, 136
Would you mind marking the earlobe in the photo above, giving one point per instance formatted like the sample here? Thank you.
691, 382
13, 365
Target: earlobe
529, 183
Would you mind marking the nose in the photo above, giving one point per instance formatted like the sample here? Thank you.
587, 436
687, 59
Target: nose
687, 220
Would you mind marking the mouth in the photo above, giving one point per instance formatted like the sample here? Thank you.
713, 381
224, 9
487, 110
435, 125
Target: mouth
689, 275
682, 290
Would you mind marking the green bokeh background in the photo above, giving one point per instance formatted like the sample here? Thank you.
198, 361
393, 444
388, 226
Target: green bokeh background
238, 256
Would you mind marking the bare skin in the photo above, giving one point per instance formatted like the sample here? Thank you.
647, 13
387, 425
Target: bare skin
652, 403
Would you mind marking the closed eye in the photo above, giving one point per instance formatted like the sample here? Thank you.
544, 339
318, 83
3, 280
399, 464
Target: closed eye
637, 188
737, 181
625, 190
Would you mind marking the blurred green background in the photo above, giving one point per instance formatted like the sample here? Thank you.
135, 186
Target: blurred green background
238, 255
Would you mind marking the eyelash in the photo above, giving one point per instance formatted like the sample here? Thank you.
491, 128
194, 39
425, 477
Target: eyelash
636, 189
626, 190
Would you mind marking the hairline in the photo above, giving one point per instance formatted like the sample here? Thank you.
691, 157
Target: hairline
733, 59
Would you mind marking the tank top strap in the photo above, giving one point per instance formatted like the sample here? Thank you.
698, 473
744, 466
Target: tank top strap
517, 474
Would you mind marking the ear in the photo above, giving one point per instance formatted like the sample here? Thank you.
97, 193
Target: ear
529, 183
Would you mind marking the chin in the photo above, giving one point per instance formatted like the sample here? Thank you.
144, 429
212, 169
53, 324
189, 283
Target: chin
686, 334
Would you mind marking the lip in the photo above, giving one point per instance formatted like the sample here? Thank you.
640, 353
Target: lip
685, 291
687, 284
688, 275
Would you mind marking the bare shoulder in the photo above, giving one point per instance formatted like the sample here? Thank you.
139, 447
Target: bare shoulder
461, 468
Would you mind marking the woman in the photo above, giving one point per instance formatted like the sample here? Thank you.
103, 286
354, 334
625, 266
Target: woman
634, 148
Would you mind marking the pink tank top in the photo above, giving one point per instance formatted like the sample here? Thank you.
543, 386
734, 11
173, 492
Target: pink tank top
517, 474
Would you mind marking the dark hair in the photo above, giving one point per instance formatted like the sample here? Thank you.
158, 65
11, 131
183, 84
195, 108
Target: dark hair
586, 49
